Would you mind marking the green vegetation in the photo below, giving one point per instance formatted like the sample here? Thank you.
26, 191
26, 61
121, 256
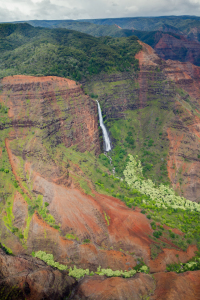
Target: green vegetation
107, 218
79, 273
162, 195
70, 236
8, 188
148, 30
49, 259
61, 52
6, 249
86, 241
163, 206
192, 265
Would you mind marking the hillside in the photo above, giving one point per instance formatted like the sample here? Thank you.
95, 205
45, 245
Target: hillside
168, 41
38, 51
69, 225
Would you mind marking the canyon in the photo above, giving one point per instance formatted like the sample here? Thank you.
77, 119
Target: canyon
50, 146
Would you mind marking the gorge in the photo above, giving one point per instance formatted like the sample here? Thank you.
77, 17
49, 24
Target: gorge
58, 194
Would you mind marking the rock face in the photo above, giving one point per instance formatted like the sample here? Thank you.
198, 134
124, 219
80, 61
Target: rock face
166, 286
55, 105
97, 288
25, 277
177, 286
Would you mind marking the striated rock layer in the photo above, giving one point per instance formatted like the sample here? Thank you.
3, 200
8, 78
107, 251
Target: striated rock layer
56, 105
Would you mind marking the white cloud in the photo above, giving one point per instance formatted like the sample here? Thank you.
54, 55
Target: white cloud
11, 10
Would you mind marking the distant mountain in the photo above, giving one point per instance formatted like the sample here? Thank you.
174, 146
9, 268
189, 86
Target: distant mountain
181, 23
187, 25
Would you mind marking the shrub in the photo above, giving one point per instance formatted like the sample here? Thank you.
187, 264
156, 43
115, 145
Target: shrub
15, 184
6, 249
86, 241
157, 234
153, 225
172, 235
56, 226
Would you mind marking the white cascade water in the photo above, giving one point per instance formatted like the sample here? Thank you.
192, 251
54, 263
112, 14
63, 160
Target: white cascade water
105, 132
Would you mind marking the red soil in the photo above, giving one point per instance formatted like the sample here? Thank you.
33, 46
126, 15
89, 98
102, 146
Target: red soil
172, 286
83, 216
101, 288
147, 56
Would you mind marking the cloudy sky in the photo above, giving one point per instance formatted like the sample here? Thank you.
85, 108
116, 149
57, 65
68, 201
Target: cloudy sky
15, 10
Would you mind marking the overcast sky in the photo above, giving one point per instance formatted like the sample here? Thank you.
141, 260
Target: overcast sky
15, 10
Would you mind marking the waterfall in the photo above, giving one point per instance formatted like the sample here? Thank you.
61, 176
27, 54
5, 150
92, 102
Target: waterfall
107, 143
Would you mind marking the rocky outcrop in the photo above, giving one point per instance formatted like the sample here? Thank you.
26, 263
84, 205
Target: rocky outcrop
171, 286
96, 288
24, 277
165, 286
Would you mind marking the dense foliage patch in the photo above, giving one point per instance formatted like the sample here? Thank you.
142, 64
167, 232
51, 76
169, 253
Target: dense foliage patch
162, 195
192, 265
61, 52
